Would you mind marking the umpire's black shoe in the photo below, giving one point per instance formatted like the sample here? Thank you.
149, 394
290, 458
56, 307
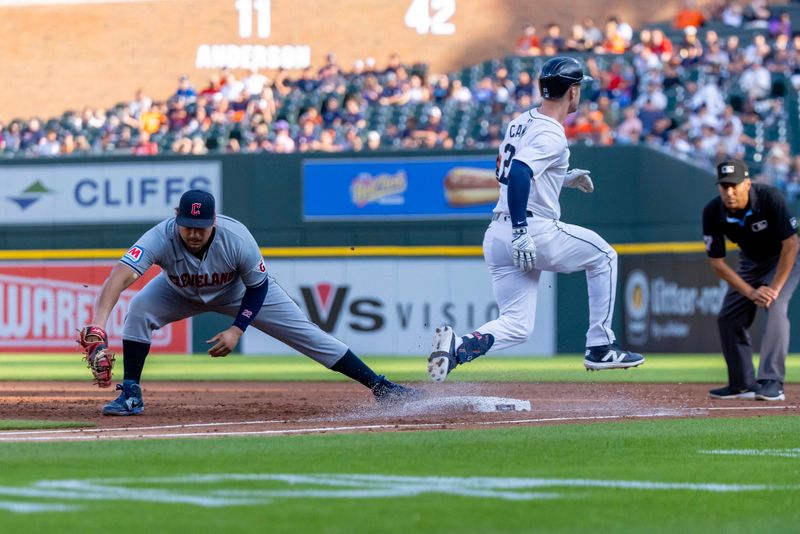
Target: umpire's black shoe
610, 357
728, 393
770, 390
387, 392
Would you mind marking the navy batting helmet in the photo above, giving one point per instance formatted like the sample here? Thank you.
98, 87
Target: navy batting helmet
559, 74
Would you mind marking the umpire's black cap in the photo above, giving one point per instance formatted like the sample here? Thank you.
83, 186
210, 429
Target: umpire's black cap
732, 172
196, 209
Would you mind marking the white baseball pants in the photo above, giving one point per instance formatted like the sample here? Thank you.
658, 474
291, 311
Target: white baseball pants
560, 248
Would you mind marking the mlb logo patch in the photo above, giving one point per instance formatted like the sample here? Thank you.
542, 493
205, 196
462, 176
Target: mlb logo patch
134, 254
727, 169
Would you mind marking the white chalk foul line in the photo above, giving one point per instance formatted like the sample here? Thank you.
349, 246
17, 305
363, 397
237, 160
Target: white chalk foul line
775, 453
100, 433
85, 434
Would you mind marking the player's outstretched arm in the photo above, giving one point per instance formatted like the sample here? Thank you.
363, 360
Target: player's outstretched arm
119, 280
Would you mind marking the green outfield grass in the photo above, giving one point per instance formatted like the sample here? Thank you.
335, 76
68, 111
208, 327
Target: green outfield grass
697, 368
645, 476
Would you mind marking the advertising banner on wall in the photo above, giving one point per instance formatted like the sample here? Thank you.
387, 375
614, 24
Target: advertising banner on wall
671, 303
390, 306
44, 304
392, 188
111, 192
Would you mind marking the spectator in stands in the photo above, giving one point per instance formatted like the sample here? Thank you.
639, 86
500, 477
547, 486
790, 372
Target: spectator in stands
441, 89
730, 143
654, 96
373, 140
331, 113
678, 143
609, 110
528, 43
12, 137
185, 91
661, 45
231, 87
460, 93
484, 91
372, 89
689, 15
283, 142
212, 89
576, 41
255, 83
777, 167
145, 147
393, 94
552, 43
31, 135
781, 25
756, 14
49, 144
593, 36
177, 116
733, 14
417, 91
613, 42
141, 103
524, 85
353, 116
755, 81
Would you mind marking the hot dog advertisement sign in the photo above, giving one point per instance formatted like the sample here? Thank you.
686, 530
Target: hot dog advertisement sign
393, 188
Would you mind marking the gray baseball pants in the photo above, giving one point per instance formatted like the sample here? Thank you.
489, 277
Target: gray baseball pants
157, 304
736, 316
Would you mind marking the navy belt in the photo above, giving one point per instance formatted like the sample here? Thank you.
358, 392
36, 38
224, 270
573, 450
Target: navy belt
506, 216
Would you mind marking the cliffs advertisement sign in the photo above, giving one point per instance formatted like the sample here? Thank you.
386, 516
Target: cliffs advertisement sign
671, 306
44, 304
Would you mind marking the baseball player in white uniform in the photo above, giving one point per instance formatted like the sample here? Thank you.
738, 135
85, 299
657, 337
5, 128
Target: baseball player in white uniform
211, 262
526, 236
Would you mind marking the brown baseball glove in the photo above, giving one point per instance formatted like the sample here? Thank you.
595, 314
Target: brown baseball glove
99, 358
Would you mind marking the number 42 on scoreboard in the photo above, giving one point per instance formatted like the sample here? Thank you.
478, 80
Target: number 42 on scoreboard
431, 16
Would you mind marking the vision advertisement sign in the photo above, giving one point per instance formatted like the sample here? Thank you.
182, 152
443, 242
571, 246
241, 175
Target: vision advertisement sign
110, 192
671, 303
44, 304
399, 188
390, 306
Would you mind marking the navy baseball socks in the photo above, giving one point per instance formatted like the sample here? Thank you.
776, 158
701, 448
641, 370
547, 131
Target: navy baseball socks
385, 391
447, 354
129, 402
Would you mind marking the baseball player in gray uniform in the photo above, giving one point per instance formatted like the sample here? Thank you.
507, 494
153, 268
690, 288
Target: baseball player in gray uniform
212, 263
526, 236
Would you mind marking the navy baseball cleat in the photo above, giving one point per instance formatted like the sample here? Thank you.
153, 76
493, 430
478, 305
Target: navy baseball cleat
387, 392
443, 356
129, 401
728, 393
770, 390
610, 357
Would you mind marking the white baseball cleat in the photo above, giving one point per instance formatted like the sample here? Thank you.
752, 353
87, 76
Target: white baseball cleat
443, 355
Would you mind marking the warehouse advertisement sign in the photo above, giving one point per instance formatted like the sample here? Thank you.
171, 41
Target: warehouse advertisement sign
109, 192
44, 304
671, 306
384, 306
394, 188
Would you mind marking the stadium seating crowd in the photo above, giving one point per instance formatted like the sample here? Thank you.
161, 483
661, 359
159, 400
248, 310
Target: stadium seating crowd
708, 85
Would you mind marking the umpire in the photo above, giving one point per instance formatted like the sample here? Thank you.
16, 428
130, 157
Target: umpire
755, 217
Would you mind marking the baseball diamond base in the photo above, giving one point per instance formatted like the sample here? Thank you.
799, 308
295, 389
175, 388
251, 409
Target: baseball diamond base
472, 404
